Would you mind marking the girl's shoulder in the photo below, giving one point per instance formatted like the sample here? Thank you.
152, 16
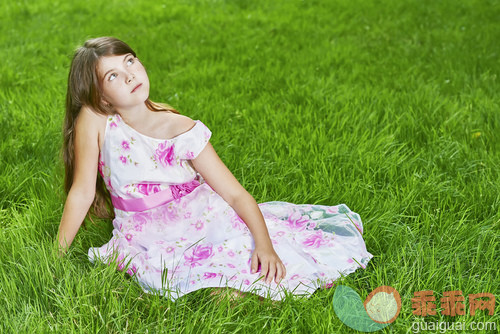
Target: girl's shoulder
91, 124
89, 118
173, 125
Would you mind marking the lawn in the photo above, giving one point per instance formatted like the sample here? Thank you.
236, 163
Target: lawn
391, 107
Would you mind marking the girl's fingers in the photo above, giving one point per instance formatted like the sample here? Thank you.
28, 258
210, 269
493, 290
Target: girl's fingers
254, 264
264, 268
279, 272
271, 273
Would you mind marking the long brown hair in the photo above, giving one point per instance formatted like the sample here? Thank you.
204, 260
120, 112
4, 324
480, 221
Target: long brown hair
84, 89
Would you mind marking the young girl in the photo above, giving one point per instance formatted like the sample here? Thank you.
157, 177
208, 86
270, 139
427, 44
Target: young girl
182, 222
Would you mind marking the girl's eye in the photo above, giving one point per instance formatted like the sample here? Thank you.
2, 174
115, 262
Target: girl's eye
112, 77
130, 61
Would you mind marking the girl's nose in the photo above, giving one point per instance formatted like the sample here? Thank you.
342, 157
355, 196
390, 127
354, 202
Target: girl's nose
130, 77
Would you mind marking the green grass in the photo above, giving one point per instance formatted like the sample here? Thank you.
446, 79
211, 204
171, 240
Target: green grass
391, 107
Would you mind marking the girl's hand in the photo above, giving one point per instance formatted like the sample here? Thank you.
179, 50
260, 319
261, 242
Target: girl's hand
270, 264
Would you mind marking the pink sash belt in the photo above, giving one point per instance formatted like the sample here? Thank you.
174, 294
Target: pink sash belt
154, 200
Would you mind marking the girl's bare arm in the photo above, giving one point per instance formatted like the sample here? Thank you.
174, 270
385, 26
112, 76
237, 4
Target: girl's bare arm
82, 192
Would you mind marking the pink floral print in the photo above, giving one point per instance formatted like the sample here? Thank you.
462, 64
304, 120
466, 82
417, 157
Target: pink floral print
197, 254
179, 190
198, 225
132, 270
237, 222
100, 167
165, 154
148, 188
209, 275
141, 217
315, 240
170, 211
333, 210
297, 221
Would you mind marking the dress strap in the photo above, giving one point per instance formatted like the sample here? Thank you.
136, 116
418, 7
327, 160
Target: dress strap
152, 201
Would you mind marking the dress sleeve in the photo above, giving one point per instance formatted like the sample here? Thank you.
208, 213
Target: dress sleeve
193, 141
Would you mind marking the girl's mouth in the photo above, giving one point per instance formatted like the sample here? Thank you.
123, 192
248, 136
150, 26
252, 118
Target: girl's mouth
136, 87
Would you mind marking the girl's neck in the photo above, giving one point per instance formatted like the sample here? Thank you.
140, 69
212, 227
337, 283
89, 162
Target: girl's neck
135, 116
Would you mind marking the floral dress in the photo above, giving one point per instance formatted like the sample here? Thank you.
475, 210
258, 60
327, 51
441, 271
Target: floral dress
174, 234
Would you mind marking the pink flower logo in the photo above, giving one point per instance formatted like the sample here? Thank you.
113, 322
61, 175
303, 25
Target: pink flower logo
297, 222
125, 145
123, 159
165, 154
197, 254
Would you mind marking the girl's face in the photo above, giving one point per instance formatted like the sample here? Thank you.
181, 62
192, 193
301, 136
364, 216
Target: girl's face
125, 83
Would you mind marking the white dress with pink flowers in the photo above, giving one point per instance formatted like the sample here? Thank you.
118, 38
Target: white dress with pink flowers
174, 234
